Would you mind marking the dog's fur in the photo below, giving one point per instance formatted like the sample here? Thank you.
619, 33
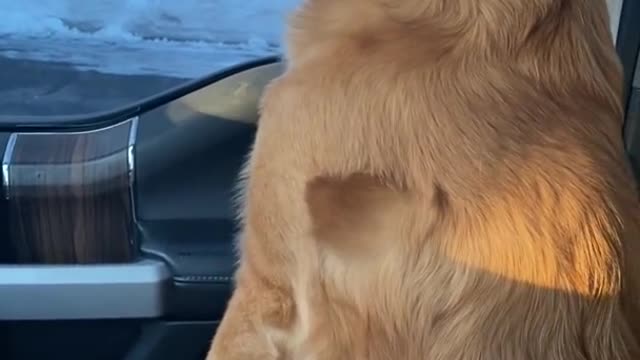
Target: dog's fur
440, 179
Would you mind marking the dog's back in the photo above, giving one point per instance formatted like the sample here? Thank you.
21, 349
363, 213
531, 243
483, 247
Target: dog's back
440, 180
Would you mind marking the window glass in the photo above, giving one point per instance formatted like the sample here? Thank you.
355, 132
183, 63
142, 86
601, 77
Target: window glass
81, 56
615, 8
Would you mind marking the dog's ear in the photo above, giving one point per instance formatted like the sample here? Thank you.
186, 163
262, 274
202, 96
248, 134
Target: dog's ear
355, 215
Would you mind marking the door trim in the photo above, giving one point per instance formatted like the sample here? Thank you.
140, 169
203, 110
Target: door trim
74, 292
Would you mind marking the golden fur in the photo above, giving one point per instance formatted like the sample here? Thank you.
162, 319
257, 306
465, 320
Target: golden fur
440, 180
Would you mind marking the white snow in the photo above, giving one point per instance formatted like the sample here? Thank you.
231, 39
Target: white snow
184, 38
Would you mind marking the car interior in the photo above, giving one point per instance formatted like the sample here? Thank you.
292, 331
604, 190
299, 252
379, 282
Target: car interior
117, 229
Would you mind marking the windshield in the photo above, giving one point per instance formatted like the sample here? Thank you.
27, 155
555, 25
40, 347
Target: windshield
81, 56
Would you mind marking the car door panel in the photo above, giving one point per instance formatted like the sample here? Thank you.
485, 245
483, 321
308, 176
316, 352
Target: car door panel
155, 179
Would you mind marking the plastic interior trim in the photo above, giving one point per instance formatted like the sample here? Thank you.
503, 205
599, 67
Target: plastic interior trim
74, 292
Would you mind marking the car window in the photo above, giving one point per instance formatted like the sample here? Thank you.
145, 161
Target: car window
62, 57
615, 8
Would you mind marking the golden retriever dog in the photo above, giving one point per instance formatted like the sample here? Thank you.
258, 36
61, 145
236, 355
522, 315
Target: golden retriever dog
439, 180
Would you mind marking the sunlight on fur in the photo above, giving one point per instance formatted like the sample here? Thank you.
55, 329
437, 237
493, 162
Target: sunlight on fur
440, 180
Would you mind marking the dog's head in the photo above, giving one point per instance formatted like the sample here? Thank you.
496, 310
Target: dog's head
501, 22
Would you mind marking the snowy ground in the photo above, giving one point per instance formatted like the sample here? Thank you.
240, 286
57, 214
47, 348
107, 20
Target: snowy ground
182, 38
